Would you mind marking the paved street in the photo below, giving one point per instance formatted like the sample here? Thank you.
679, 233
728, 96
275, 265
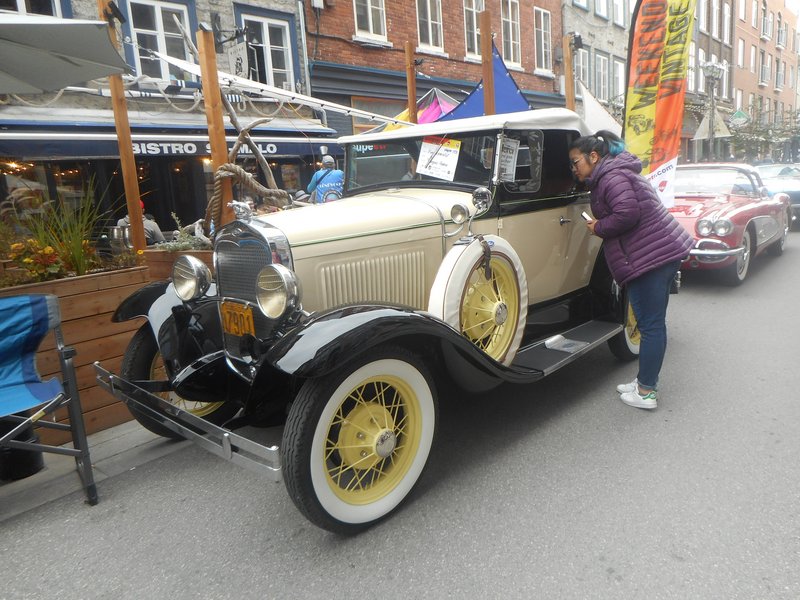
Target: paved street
554, 490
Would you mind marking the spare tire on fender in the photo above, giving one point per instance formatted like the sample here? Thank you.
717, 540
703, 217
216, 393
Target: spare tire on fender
492, 312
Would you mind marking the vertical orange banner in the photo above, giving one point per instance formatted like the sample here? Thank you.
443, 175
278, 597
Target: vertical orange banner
658, 58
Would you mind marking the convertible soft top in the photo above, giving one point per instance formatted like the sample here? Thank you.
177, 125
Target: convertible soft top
544, 118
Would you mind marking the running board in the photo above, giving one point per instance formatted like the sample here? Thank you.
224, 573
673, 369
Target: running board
558, 351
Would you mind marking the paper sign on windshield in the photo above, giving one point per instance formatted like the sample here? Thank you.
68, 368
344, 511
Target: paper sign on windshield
438, 157
508, 159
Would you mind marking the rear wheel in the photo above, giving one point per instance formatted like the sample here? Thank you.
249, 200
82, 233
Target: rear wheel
776, 249
737, 272
625, 345
356, 441
142, 361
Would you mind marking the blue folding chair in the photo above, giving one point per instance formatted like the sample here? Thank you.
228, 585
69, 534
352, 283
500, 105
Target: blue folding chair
24, 322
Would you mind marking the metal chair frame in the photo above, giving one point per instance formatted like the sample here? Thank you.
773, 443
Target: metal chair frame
68, 397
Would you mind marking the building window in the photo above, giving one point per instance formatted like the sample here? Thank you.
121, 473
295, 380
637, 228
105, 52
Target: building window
715, 18
742, 9
702, 15
738, 99
471, 10
153, 28
601, 8
32, 7
726, 23
269, 51
754, 14
511, 46
544, 44
601, 77
582, 66
581, 4
619, 12
701, 78
752, 59
740, 53
370, 19
429, 20
618, 89
691, 70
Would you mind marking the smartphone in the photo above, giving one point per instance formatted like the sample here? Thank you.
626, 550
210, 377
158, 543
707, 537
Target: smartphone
586, 216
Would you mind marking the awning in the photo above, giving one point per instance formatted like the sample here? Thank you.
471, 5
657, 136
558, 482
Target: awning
33, 133
49, 145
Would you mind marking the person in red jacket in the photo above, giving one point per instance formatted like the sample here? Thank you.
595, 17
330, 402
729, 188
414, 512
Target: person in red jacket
643, 244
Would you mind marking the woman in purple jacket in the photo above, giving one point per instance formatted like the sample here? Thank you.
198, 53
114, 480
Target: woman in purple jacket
643, 245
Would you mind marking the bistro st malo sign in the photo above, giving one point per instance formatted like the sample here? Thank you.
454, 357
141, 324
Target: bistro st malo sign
196, 149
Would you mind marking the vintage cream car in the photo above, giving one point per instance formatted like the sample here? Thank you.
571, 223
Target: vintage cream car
457, 257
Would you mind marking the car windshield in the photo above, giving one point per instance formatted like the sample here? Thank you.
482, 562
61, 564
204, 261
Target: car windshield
461, 159
717, 180
770, 171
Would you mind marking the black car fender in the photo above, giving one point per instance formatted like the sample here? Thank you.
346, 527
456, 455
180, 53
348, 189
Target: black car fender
325, 342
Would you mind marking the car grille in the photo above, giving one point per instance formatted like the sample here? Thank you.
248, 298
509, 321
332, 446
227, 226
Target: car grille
239, 255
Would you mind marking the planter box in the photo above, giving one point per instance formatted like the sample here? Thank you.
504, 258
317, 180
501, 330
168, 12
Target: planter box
87, 304
160, 261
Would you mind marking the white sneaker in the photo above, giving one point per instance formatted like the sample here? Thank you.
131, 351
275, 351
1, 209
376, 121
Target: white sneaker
633, 386
635, 399
624, 388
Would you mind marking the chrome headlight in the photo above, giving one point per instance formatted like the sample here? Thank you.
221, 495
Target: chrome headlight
723, 227
191, 277
704, 227
277, 291
459, 213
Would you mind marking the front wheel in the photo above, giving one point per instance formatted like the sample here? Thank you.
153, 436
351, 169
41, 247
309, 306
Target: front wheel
356, 441
625, 345
142, 362
737, 272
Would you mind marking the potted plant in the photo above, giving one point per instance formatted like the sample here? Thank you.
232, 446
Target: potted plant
51, 248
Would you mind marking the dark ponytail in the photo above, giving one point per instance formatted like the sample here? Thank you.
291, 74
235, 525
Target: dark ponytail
603, 142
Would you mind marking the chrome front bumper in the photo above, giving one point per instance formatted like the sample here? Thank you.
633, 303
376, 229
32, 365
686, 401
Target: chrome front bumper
711, 250
264, 460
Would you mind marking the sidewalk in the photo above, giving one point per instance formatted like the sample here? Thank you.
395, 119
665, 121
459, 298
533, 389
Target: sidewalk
113, 451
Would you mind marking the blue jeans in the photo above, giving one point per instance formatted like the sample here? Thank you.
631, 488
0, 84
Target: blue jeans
649, 296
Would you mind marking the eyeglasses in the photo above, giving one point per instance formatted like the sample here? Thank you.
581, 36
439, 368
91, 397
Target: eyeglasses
575, 162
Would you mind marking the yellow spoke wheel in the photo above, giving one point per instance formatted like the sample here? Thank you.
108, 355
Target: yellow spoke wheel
490, 307
357, 440
371, 440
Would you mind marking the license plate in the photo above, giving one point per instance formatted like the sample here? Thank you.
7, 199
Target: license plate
237, 319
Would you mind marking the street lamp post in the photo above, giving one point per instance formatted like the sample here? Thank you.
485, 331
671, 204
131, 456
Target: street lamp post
713, 72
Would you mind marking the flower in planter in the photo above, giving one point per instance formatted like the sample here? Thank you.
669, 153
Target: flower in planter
41, 262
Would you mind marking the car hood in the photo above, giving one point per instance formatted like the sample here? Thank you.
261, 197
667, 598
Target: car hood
688, 209
367, 214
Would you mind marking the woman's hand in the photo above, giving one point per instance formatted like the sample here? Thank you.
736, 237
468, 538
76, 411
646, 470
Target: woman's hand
590, 226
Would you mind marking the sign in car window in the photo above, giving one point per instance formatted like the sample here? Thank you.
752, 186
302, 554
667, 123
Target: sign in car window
438, 157
508, 159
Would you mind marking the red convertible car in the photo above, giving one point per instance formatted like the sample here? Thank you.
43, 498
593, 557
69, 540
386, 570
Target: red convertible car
731, 216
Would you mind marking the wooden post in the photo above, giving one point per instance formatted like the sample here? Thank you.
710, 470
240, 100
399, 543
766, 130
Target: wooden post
216, 126
411, 83
487, 62
127, 161
569, 77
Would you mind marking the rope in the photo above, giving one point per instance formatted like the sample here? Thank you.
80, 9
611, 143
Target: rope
274, 198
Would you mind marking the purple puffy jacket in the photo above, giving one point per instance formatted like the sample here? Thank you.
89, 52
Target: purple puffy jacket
639, 233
